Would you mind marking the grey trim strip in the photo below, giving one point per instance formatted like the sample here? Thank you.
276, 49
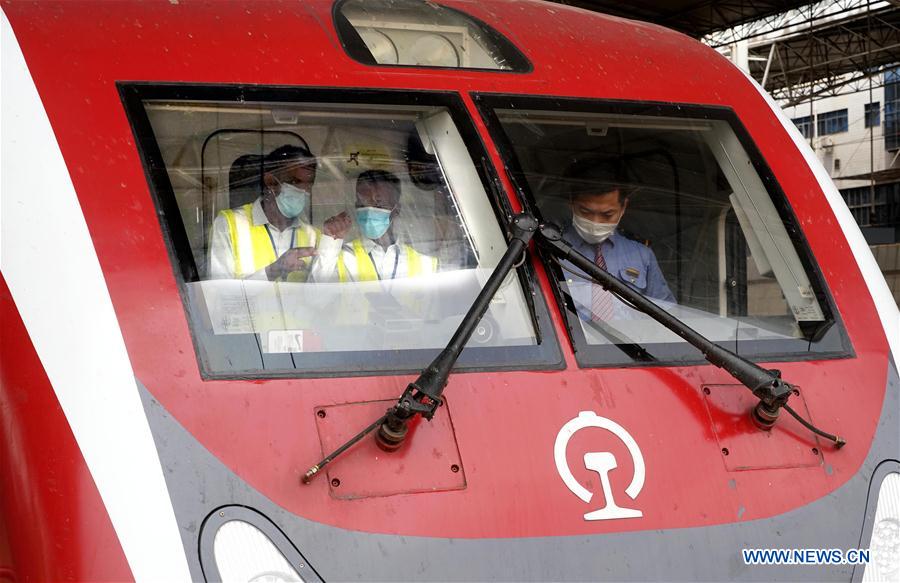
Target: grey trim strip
199, 483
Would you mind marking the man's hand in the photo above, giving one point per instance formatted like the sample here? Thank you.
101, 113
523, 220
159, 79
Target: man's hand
292, 260
338, 225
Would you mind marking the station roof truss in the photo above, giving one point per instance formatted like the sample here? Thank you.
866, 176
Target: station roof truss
692, 17
796, 50
838, 55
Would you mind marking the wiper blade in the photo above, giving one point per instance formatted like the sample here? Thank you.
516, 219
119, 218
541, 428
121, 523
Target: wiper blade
767, 385
423, 396
617, 338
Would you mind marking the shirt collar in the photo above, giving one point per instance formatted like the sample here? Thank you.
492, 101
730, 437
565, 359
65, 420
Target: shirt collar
369, 244
615, 237
260, 218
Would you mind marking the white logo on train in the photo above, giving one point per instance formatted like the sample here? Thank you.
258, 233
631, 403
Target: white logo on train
602, 463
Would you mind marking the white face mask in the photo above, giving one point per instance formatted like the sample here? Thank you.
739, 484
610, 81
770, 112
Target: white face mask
592, 232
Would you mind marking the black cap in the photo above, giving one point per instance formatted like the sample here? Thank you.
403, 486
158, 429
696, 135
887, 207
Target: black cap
283, 156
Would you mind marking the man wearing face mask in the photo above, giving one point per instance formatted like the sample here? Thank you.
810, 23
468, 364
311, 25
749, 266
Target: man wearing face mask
599, 198
377, 254
268, 238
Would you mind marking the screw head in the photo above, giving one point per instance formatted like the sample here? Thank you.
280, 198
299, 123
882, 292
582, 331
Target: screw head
335, 482
725, 451
321, 413
454, 468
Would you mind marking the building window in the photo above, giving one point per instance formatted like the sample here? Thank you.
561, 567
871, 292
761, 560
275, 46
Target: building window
832, 122
804, 124
873, 114
837, 165
892, 109
882, 212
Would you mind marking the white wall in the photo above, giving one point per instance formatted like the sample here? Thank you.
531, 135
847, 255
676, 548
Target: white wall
850, 147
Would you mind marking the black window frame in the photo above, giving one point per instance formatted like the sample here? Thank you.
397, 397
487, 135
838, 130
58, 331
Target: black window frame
805, 125
355, 48
827, 121
891, 131
872, 114
546, 354
664, 354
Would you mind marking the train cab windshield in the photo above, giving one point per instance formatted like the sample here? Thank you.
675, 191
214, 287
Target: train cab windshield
676, 203
313, 234
312, 228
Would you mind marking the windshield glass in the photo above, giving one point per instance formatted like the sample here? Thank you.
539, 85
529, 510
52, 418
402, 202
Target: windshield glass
326, 237
675, 206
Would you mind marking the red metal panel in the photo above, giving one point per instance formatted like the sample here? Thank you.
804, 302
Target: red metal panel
505, 423
428, 462
745, 447
57, 526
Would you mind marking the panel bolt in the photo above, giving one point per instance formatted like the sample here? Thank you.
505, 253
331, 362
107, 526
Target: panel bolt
454, 468
335, 482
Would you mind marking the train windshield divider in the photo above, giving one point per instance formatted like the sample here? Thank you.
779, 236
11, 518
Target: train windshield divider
387, 221
683, 210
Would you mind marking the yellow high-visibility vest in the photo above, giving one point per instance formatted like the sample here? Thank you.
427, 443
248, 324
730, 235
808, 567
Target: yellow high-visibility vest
416, 264
254, 249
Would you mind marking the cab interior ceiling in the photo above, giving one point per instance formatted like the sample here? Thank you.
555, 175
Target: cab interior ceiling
691, 17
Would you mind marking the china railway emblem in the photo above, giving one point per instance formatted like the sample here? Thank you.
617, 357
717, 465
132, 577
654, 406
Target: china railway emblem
601, 462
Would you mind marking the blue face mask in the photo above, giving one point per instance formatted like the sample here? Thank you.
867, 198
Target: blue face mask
373, 221
291, 200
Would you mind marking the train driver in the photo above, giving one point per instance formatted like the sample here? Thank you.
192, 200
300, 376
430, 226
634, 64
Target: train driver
268, 238
377, 254
598, 200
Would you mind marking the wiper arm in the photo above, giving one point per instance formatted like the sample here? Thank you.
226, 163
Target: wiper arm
423, 396
773, 393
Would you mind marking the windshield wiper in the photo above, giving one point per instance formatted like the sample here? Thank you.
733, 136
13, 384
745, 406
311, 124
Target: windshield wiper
423, 396
773, 393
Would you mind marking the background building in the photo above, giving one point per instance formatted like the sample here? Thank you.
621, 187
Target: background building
834, 68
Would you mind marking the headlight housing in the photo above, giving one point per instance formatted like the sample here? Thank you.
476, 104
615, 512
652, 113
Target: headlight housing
238, 543
884, 545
